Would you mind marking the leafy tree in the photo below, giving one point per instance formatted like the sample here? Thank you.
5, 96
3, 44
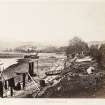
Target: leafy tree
102, 52
95, 53
76, 45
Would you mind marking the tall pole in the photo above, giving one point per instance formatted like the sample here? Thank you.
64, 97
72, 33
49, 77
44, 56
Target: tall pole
24, 76
1, 82
1, 89
37, 68
11, 89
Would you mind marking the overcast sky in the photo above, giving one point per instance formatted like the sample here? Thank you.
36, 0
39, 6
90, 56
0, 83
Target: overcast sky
53, 22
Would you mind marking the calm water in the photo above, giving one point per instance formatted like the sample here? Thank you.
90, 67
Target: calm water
6, 62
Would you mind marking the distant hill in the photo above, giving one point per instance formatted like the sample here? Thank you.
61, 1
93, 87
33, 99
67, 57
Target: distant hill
44, 47
14, 45
23, 46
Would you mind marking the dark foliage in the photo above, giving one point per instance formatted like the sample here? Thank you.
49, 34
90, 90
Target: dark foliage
76, 45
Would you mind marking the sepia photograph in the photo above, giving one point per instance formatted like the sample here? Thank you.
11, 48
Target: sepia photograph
52, 49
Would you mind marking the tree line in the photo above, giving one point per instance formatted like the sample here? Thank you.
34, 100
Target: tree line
80, 47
